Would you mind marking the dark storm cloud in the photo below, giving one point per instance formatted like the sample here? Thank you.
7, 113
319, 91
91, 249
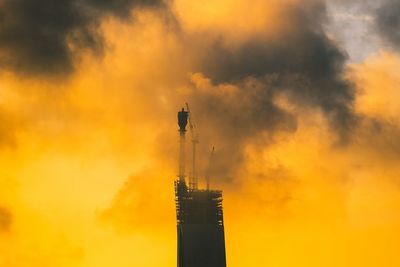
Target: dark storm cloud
306, 63
42, 36
388, 22
228, 120
5, 219
301, 62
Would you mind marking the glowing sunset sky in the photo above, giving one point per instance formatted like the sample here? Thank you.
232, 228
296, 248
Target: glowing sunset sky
299, 97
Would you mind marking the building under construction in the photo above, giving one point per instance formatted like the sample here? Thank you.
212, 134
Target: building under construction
200, 224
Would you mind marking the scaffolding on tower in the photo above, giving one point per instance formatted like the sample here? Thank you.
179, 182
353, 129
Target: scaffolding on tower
199, 214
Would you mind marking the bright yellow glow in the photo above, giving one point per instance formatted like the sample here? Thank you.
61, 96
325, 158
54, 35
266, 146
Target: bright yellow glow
83, 171
378, 80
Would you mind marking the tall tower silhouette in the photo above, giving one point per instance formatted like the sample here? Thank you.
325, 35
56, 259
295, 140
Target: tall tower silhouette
200, 224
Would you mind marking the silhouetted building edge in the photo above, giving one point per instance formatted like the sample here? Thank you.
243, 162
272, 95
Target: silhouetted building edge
199, 215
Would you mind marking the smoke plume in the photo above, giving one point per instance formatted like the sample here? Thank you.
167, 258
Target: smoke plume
308, 65
45, 36
238, 85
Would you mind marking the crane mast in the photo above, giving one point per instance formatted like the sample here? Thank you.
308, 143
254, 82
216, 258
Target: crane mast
209, 168
193, 180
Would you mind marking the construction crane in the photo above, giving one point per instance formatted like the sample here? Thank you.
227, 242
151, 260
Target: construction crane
209, 168
193, 183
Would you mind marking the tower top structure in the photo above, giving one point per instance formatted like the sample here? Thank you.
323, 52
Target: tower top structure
182, 120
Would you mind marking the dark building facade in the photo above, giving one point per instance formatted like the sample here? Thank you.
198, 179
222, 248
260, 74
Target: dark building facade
201, 241
200, 223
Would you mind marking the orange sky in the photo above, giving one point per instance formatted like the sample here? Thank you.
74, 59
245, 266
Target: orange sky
87, 161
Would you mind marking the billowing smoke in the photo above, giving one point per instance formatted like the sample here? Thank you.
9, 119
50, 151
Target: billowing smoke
238, 87
388, 22
232, 115
303, 51
44, 36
